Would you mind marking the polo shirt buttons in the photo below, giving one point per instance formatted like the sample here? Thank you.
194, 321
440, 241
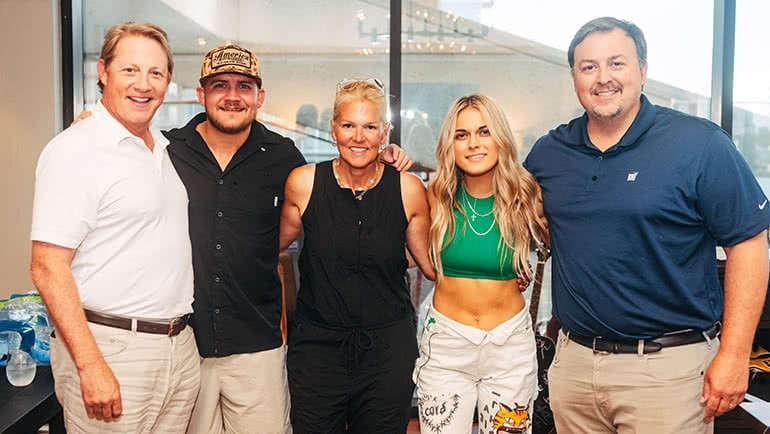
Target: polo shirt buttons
220, 214
218, 247
216, 311
593, 178
221, 181
217, 279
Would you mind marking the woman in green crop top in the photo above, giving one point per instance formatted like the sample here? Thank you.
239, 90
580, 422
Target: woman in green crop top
478, 347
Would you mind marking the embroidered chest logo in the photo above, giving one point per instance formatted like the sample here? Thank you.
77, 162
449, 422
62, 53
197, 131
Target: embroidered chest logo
631, 176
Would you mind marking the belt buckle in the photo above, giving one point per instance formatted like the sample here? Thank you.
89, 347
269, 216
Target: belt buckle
172, 326
593, 346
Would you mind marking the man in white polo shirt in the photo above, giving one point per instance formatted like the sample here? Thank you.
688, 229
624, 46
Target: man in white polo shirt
111, 252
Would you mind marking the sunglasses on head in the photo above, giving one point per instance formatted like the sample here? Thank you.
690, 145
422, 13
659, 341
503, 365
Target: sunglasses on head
349, 81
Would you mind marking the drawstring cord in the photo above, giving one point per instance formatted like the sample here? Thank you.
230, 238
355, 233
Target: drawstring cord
356, 341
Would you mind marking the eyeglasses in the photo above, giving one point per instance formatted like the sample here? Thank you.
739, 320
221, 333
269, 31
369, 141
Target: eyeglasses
350, 81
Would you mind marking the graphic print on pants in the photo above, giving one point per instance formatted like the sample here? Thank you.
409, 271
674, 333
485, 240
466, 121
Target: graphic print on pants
511, 420
437, 411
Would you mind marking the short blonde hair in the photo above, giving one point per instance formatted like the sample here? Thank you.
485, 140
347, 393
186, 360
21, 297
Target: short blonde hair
364, 89
130, 28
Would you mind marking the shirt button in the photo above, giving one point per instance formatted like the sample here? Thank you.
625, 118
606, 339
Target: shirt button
216, 311
601, 158
218, 247
220, 214
593, 178
217, 279
221, 181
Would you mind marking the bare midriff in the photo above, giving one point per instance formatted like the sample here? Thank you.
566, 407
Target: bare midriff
480, 303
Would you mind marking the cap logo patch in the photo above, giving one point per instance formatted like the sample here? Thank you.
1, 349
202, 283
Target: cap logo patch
230, 56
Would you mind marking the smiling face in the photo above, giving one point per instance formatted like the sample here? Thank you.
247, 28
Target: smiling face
231, 101
135, 82
359, 131
608, 77
475, 150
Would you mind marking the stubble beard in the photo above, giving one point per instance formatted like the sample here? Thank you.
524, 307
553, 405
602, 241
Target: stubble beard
228, 129
604, 116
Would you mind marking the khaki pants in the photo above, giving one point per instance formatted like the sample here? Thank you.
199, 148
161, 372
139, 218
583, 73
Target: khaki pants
158, 376
656, 393
243, 393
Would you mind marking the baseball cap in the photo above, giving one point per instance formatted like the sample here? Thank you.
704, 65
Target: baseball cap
230, 58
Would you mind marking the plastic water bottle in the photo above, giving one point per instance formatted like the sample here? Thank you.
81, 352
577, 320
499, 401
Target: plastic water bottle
4, 350
21, 369
9, 341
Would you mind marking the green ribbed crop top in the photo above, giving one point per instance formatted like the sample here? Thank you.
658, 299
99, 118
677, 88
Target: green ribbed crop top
473, 252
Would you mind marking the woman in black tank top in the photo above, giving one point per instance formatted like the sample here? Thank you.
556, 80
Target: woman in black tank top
352, 346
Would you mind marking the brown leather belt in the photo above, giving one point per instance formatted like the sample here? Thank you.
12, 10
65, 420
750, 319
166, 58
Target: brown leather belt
601, 345
168, 328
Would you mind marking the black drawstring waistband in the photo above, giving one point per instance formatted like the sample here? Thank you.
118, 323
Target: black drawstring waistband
354, 342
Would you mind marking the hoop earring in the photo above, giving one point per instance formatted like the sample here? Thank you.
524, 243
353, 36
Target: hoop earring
334, 144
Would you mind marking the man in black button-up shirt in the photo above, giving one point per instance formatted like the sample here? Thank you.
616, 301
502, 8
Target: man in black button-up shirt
234, 170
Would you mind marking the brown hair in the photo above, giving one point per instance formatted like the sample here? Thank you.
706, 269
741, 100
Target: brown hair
605, 25
130, 28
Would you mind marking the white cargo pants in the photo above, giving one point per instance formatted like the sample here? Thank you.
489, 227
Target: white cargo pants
461, 367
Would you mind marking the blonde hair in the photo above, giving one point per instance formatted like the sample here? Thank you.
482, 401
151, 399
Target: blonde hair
130, 28
518, 203
363, 89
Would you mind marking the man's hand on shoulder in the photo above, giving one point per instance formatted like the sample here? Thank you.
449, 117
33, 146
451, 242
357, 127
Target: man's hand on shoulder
394, 156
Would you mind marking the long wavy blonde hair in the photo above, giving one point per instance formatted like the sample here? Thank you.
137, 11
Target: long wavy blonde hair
518, 203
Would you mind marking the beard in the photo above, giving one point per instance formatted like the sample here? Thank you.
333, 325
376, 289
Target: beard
228, 129
607, 115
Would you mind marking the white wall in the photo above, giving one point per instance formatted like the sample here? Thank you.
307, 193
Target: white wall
30, 114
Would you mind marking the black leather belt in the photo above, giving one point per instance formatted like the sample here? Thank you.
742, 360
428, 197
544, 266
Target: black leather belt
601, 345
168, 328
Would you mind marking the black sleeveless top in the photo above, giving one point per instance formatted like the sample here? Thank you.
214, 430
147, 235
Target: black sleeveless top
353, 264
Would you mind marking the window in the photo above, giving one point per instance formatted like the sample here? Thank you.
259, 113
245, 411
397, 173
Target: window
516, 53
751, 90
304, 48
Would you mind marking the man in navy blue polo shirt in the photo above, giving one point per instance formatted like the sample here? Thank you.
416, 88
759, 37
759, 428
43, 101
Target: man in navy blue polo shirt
638, 196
